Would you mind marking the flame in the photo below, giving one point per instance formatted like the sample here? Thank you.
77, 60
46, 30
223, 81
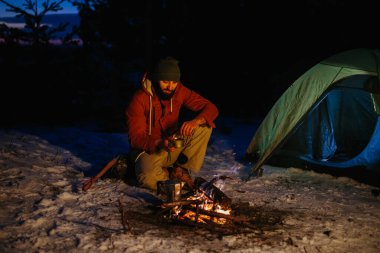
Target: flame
206, 204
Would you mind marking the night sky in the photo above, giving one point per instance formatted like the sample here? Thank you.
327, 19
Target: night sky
240, 54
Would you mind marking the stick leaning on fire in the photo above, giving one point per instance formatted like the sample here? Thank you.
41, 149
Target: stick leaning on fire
88, 183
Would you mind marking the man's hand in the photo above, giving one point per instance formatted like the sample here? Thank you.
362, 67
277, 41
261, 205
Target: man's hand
167, 146
188, 127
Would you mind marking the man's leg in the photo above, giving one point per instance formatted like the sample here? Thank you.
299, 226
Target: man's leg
195, 148
151, 168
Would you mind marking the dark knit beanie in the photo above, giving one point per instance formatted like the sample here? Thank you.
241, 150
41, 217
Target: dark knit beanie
167, 69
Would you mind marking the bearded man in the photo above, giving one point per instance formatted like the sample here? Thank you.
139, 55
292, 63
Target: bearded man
153, 126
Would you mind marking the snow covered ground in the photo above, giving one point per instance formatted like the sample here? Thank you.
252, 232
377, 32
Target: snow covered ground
43, 208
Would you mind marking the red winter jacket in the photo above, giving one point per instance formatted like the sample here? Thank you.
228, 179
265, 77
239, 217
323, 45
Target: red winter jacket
149, 119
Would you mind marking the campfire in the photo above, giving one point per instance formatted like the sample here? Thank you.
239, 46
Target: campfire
207, 206
203, 209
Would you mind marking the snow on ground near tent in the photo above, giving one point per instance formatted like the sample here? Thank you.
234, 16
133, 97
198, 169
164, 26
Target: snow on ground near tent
43, 208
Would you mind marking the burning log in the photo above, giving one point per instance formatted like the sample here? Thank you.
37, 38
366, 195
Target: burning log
218, 215
213, 192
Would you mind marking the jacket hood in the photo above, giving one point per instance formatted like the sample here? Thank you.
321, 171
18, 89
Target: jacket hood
147, 86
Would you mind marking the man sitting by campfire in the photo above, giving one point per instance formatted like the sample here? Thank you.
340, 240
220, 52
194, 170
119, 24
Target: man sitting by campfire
162, 148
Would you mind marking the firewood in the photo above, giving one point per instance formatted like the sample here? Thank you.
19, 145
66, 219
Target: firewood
180, 203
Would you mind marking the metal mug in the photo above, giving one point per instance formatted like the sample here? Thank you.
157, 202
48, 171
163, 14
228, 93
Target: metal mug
177, 142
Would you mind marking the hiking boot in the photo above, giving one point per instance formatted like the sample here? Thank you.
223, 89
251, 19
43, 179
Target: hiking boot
119, 169
183, 175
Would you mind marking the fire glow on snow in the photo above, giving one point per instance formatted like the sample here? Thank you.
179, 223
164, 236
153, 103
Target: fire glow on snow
44, 209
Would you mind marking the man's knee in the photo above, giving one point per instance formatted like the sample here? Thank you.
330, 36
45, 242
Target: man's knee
149, 179
201, 134
205, 130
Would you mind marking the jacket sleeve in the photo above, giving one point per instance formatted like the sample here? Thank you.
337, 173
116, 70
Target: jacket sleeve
204, 107
137, 125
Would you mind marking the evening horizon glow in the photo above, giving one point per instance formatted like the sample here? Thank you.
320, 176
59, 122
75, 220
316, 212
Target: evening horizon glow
68, 8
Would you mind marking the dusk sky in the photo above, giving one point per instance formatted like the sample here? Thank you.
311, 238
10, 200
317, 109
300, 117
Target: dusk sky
67, 7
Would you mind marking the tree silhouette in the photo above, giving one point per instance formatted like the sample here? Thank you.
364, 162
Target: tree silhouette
35, 31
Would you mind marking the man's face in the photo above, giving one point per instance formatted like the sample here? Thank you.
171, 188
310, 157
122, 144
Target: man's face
167, 89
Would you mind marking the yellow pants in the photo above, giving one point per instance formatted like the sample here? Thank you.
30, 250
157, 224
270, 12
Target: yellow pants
151, 168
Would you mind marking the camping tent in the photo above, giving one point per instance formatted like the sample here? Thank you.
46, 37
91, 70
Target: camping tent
329, 117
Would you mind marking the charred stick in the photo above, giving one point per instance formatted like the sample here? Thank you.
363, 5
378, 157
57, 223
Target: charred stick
124, 220
191, 223
181, 203
196, 214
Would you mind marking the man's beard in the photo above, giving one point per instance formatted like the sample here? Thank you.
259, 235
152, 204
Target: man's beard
161, 94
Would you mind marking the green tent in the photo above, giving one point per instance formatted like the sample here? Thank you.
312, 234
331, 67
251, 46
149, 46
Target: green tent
329, 117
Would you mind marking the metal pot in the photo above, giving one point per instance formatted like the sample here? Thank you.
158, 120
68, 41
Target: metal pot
171, 188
